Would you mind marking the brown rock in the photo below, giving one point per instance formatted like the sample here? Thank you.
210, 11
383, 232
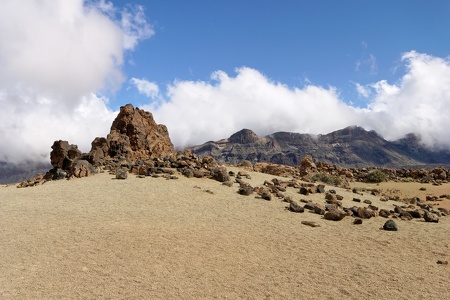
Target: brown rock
311, 223
365, 213
64, 155
431, 217
318, 209
82, 168
307, 165
384, 213
245, 189
134, 135
335, 215
358, 221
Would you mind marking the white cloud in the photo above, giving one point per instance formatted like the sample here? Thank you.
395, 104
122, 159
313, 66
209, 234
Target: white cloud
419, 103
363, 91
55, 55
145, 87
198, 111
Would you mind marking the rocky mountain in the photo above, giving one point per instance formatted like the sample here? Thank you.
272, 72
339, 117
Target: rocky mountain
350, 147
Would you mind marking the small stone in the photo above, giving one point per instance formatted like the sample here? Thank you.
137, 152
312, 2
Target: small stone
311, 223
121, 174
318, 209
358, 221
367, 201
439, 262
390, 225
245, 190
334, 215
294, 207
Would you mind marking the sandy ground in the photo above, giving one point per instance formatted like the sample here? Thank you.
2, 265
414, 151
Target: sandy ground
151, 238
408, 190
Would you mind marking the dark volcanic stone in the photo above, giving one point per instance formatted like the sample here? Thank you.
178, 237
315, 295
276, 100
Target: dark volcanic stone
294, 207
390, 225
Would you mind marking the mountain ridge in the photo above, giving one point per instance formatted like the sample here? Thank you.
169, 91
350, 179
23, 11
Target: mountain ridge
352, 146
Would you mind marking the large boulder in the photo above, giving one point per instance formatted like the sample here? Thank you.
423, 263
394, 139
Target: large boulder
64, 155
82, 168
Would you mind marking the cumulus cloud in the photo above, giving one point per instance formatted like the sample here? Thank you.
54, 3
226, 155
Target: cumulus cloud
55, 57
198, 111
418, 103
145, 87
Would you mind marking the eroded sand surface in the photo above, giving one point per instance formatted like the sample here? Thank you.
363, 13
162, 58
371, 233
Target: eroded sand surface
151, 238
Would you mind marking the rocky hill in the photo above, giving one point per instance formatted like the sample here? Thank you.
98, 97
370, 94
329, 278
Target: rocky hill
350, 147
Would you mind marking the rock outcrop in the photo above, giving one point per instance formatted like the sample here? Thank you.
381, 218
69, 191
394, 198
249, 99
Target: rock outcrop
134, 135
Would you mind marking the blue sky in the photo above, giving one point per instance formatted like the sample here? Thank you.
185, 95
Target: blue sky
324, 43
207, 69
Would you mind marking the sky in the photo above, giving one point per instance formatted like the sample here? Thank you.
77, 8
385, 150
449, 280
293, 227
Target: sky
207, 69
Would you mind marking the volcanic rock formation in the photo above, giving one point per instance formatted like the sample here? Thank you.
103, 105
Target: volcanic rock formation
134, 135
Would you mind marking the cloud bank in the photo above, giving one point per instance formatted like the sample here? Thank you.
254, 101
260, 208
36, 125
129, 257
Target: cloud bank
56, 58
198, 111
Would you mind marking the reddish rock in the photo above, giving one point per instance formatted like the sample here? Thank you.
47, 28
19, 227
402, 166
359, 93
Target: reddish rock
335, 215
133, 135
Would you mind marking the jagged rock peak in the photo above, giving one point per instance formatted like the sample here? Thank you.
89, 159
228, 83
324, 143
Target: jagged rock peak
135, 135
244, 136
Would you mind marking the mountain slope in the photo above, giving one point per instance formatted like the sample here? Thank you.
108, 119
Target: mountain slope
13, 173
350, 147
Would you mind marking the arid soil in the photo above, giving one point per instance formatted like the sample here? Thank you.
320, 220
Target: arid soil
406, 190
152, 238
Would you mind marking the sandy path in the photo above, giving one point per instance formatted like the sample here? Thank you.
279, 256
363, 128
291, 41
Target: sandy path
99, 238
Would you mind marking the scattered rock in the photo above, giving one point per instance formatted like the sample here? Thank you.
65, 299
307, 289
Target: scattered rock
245, 189
294, 207
311, 223
220, 174
365, 213
121, 174
390, 225
318, 209
431, 217
442, 262
335, 215
358, 221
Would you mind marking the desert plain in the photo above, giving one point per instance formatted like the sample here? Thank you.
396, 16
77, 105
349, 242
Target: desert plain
193, 238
